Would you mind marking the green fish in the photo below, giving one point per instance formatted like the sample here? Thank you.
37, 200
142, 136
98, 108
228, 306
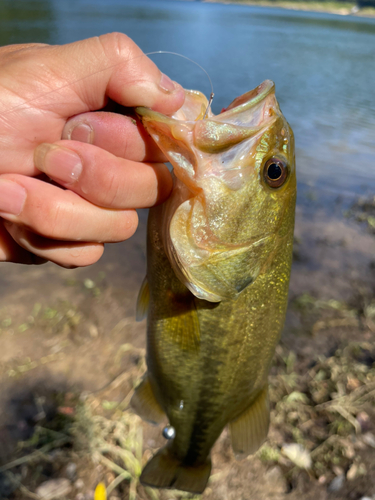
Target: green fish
219, 254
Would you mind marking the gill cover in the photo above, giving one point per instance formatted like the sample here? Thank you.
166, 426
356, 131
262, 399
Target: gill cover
210, 233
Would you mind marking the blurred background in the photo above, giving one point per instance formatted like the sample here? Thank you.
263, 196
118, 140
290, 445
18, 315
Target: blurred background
71, 351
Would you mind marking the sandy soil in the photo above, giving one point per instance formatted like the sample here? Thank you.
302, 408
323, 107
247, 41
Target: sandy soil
69, 336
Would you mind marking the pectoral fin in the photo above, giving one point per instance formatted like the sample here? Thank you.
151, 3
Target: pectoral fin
184, 331
250, 429
145, 405
143, 301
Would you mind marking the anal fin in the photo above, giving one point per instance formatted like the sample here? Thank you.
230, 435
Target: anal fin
145, 405
250, 429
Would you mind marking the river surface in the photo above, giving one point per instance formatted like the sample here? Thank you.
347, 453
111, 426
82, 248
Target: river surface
322, 65
323, 68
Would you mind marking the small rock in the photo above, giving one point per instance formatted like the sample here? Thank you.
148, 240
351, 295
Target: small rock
353, 383
339, 471
352, 472
336, 484
54, 488
364, 421
79, 484
366, 498
71, 471
369, 439
349, 451
276, 477
93, 330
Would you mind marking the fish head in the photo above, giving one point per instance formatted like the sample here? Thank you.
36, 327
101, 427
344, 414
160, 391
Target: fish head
232, 206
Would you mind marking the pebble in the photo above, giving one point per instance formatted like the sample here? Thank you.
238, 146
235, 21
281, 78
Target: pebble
364, 421
276, 477
352, 472
71, 471
337, 483
54, 488
369, 439
79, 484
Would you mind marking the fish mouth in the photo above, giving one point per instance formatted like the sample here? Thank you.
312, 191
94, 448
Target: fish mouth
193, 138
214, 158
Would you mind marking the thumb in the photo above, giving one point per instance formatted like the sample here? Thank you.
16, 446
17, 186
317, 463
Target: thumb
93, 70
134, 79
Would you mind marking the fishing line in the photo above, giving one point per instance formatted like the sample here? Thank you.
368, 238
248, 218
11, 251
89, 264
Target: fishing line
69, 84
199, 66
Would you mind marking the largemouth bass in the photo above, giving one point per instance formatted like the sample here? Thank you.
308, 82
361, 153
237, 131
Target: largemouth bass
219, 254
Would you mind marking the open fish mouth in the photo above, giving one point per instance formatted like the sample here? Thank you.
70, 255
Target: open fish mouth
218, 162
194, 132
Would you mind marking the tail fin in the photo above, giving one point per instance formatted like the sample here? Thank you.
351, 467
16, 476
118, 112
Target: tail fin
166, 471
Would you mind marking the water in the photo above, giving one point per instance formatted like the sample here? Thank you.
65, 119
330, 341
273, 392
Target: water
322, 65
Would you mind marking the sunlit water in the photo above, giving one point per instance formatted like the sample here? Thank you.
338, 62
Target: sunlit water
322, 65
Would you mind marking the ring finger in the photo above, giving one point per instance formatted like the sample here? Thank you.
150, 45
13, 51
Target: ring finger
61, 214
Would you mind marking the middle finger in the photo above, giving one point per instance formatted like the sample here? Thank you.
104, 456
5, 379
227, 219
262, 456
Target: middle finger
103, 178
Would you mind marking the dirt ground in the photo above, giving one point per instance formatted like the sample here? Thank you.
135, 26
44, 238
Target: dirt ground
71, 353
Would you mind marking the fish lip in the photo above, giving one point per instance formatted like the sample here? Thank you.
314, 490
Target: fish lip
256, 96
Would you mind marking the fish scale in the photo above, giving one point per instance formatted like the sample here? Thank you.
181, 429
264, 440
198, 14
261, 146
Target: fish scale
219, 254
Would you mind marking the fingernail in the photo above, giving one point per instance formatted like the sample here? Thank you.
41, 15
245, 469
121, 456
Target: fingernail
166, 83
12, 197
82, 132
59, 163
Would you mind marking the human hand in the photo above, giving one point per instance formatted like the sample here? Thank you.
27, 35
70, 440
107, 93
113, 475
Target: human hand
98, 160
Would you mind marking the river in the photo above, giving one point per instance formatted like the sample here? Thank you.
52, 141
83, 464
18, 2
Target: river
322, 65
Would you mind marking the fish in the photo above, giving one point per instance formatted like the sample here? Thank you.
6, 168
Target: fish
219, 255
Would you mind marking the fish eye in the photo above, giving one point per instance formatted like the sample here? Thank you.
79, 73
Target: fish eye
275, 172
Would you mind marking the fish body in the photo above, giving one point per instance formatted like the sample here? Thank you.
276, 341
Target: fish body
219, 254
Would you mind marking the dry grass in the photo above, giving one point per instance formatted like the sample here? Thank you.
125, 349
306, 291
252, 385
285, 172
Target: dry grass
327, 408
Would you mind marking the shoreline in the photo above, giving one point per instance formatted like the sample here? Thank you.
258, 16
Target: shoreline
339, 8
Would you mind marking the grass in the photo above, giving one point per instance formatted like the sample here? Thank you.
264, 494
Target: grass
322, 412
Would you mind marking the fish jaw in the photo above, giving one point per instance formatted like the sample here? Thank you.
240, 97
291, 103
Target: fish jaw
210, 233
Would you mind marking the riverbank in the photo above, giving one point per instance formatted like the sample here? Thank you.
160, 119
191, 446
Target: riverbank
340, 8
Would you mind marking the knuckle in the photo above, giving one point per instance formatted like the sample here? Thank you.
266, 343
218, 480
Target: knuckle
126, 226
117, 43
56, 219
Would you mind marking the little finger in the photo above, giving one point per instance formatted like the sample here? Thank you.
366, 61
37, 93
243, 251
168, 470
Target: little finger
66, 254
